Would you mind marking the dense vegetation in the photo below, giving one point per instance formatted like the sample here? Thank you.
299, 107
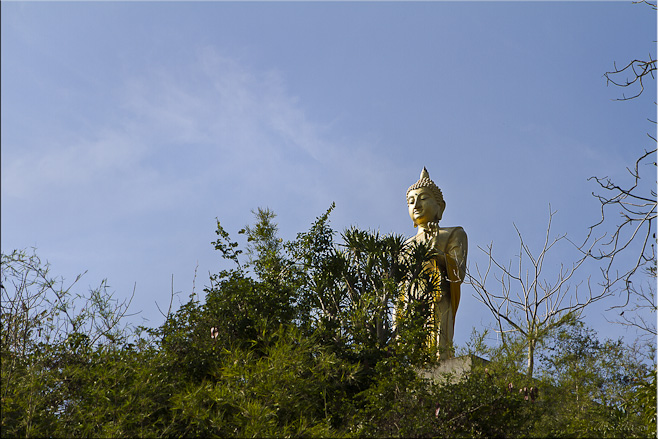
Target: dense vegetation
296, 339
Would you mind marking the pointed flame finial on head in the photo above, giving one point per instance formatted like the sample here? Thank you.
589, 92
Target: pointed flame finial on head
424, 173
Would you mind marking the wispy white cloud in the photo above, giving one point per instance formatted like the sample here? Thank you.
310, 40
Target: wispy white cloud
202, 133
39, 170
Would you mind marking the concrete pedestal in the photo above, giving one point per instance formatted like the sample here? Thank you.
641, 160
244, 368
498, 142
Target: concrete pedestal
452, 369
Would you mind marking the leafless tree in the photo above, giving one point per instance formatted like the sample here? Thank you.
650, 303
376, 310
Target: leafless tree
636, 72
630, 249
634, 315
523, 301
635, 204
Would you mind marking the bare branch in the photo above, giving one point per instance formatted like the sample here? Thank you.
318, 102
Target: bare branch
635, 72
539, 304
646, 2
637, 208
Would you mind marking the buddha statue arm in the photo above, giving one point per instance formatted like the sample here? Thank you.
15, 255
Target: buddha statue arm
456, 253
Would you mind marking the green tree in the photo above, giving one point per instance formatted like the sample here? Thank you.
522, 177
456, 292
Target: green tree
298, 339
347, 292
592, 386
48, 334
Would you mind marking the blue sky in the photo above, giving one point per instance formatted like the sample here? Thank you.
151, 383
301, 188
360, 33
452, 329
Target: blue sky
127, 128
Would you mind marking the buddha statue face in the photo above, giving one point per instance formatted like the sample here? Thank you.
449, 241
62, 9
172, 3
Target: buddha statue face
423, 207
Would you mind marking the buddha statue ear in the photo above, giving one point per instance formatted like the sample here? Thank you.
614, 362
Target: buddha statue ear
442, 208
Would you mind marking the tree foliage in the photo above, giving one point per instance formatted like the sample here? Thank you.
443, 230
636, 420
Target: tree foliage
294, 338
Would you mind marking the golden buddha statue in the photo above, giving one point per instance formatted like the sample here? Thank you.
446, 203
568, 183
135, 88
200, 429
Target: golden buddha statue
426, 206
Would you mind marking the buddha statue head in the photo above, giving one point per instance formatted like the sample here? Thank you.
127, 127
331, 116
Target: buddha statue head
425, 201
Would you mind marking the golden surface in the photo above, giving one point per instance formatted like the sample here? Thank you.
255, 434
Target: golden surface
426, 205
